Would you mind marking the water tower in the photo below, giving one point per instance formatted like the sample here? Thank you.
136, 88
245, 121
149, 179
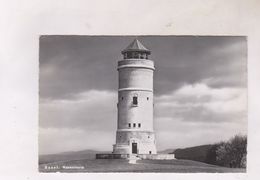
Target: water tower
135, 132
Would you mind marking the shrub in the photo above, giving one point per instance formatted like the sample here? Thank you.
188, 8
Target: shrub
232, 153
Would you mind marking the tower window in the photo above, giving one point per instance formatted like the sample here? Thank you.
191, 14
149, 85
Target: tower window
128, 55
135, 102
125, 55
147, 98
133, 55
134, 125
122, 98
139, 124
129, 124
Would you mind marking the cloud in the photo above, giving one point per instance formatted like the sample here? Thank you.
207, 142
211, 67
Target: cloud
199, 102
182, 118
72, 124
55, 140
74, 64
175, 133
190, 60
199, 85
186, 116
90, 110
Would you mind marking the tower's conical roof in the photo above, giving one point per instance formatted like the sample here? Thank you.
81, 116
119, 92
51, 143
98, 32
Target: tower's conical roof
136, 45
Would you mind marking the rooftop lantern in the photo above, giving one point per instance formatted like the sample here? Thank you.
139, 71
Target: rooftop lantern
136, 51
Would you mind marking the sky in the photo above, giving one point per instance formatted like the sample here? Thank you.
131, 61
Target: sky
200, 90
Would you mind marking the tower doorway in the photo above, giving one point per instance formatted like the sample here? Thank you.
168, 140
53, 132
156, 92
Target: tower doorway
134, 148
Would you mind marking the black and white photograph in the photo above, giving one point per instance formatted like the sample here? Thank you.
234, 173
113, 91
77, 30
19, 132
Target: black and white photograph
175, 104
126, 89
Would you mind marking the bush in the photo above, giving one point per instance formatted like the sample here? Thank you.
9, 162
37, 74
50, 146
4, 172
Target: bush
232, 153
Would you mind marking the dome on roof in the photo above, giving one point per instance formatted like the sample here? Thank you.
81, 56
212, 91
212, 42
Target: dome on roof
136, 45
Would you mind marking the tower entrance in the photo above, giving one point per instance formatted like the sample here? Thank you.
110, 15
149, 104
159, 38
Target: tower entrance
134, 148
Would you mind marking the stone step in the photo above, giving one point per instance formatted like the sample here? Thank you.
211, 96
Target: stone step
133, 158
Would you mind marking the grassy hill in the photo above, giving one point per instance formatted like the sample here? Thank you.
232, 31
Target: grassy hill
197, 153
122, 165
84, 161
68, 156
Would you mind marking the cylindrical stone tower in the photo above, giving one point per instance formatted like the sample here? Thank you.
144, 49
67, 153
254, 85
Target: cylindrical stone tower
135, 134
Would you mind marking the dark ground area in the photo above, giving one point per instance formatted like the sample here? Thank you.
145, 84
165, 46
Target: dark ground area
122, 165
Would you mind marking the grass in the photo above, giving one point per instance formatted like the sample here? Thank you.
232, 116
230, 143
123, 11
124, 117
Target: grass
122, 165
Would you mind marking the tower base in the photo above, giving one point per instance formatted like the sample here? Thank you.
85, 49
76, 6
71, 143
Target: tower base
135, 142
136, 156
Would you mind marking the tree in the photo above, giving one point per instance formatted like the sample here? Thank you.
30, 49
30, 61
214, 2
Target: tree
232, 153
